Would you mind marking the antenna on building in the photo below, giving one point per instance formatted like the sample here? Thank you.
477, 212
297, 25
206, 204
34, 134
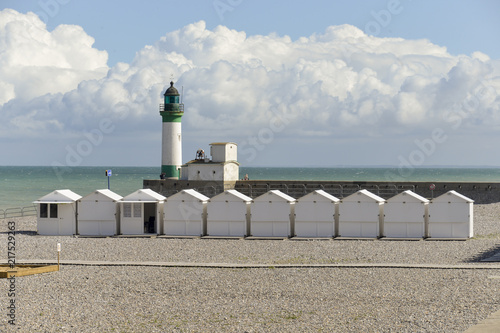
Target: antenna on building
182, 93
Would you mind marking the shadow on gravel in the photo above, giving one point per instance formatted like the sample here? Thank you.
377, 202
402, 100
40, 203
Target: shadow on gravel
21, 232
485, 254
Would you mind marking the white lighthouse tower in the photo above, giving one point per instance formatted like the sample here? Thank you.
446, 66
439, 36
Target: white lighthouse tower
171, 150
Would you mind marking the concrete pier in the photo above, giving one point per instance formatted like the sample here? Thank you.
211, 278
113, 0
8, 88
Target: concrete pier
480, 192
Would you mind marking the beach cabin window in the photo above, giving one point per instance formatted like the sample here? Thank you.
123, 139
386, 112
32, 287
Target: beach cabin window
44, 210
53, 211
137, 209
48, 210
127, 210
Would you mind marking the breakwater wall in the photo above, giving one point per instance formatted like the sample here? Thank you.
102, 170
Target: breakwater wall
480, 192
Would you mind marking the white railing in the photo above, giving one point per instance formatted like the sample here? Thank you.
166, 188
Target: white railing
18, 212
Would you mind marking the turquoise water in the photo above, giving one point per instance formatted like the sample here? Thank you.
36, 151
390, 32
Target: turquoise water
376, 174
19, 186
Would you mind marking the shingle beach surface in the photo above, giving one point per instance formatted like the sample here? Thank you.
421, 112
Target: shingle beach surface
269, 299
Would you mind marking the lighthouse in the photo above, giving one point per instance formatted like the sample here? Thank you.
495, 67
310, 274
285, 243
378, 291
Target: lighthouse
171, 150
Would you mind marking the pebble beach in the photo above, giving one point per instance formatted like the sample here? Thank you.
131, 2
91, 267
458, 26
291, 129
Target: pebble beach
85, 298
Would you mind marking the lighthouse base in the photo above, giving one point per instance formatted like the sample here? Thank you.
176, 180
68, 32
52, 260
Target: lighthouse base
170, 171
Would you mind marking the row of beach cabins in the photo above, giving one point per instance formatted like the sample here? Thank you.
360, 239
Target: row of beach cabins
273, 214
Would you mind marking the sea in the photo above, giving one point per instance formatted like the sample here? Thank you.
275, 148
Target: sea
21, 185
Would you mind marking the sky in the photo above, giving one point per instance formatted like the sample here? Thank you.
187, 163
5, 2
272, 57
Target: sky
324, 83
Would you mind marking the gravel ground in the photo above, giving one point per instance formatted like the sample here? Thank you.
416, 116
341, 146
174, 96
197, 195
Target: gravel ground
156, 299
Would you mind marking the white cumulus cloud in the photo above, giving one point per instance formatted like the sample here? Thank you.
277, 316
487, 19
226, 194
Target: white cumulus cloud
339, 83
34, 61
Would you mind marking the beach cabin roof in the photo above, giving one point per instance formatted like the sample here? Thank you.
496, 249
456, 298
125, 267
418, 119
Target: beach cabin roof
59, 196
275, 194
104, 194
365, 195
144, 195
235, 196
408, 196
319, 195
452, 196
200, 197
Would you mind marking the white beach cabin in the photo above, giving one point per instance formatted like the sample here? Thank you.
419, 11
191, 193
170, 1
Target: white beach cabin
141, 213
361, 215
185, 214
57, 213
451, 216
272, 215
99, 213
405, 216
228, 214
316, 214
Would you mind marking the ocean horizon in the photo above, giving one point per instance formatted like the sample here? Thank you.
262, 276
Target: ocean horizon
21, 185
